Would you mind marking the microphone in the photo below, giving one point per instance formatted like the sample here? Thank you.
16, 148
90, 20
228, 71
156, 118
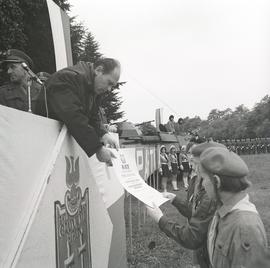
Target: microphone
31, 73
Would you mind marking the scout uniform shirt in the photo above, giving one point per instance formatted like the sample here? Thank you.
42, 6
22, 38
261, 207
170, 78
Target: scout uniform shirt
236, 234
199, 209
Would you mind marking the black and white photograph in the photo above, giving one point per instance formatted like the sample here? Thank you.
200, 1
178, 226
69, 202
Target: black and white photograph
134, 134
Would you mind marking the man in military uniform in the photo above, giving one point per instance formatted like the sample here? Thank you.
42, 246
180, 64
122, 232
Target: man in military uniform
14, 94
236, 235
197, 207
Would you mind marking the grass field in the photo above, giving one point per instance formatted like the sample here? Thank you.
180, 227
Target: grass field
151, 248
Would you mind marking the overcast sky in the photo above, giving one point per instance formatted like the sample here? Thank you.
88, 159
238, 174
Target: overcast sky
187, 56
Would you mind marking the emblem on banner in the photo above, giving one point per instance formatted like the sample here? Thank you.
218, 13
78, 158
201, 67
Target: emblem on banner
72, 222
125, 165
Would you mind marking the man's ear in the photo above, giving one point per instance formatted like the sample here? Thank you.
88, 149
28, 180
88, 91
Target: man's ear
99, 70
217, 181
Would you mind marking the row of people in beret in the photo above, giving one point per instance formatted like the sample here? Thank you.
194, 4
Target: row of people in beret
223, 227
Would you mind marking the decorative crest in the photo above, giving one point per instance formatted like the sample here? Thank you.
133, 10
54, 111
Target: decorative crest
72, 171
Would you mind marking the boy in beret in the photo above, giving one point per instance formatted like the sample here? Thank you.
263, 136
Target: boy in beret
236, 234
197, 207
14, 93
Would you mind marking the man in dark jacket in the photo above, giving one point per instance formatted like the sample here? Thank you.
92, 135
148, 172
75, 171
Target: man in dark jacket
73, 98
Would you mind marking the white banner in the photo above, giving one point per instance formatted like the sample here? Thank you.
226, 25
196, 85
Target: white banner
125, 168
109, 187
52, 212
61, 35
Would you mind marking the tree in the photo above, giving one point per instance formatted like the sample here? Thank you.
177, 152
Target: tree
11, 25
213, 115
90, 49
111, 102
77, 34
256, 124
83, 44
191, 124
241, 110
263, 130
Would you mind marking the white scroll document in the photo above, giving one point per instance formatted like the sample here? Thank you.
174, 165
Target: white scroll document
125, 168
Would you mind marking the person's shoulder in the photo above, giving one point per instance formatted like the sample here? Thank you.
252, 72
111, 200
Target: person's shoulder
65, 75
6, 92
247, 224
82, 70
245, 218
6, 89
66, 71
6, 86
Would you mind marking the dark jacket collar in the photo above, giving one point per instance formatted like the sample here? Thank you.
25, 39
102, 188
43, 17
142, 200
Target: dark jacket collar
86, 70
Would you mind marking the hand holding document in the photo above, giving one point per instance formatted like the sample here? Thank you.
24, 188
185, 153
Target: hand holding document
127, 173
155, 212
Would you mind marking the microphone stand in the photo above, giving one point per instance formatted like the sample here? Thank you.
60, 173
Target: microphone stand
29, 96
33, 77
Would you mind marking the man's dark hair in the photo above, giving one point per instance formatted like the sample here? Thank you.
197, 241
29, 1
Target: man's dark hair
162, 128
180, 121
231, 184
108, 64
171, 117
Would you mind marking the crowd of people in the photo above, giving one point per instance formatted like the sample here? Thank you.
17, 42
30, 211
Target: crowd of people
248, 146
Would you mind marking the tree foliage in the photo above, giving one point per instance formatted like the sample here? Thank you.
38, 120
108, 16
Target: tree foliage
77, 34
90, 49
111, 102
11, 25
234, 124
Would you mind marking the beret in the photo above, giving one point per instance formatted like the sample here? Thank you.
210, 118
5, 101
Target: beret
199, 148
17, 56
221, 161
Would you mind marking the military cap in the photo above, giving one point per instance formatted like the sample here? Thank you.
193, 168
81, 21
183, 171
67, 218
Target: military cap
17, 56
199, 148
221, 161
